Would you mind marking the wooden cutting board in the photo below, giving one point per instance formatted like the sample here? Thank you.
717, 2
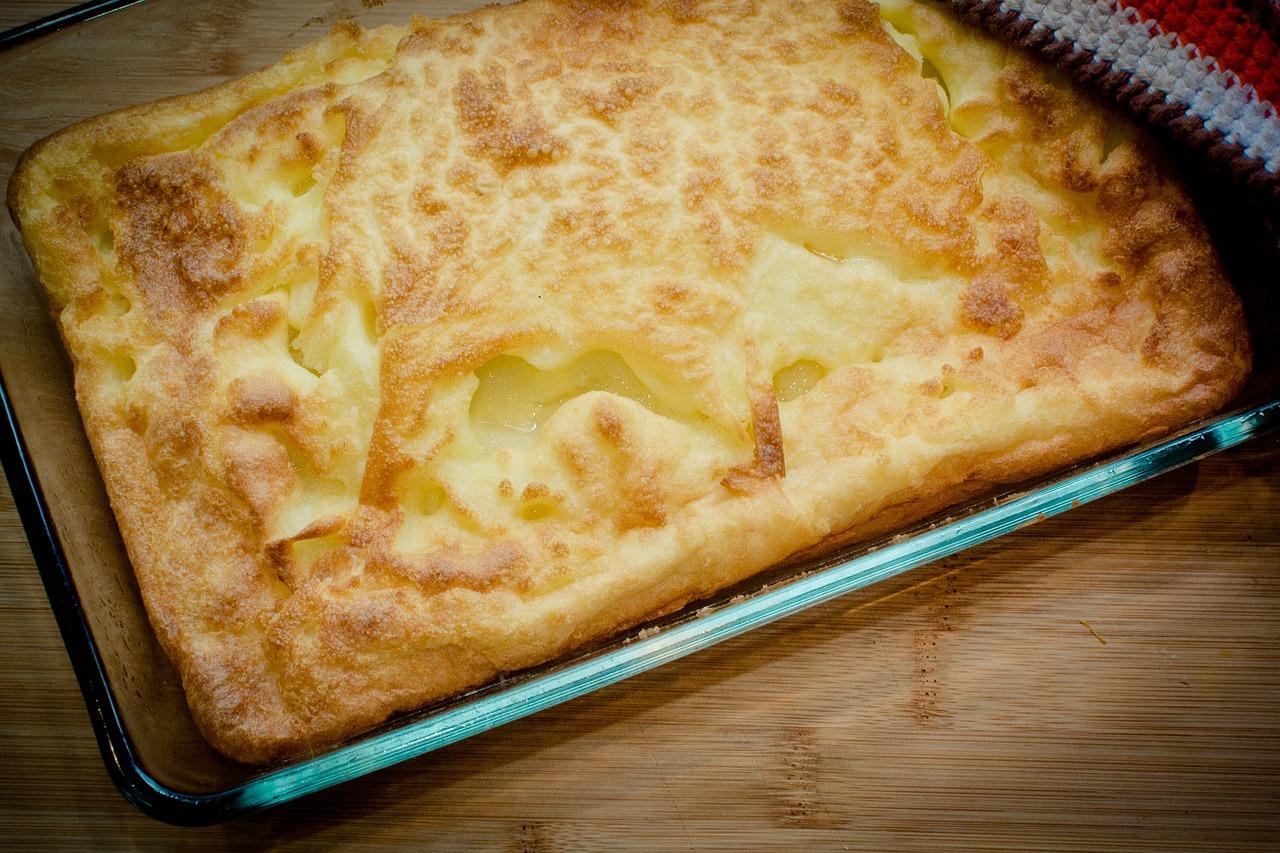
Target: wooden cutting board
1109, 679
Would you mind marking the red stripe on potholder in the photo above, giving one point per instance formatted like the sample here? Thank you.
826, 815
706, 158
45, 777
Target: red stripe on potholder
1226, 31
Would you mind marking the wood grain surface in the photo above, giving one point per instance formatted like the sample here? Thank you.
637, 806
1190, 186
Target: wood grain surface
16, 12
1106, 680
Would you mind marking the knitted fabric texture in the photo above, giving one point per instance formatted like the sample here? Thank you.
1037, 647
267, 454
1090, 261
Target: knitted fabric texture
1209, 70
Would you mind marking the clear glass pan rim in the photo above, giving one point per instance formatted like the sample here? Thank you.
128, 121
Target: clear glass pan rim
416, 735
527, 696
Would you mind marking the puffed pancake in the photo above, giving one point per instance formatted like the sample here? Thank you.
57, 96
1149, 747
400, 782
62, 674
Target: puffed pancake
431, 353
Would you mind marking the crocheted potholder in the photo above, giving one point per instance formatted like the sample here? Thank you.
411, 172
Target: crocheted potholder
1209, 70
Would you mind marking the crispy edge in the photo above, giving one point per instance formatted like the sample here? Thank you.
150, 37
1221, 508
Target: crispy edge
1175, 268
118, 451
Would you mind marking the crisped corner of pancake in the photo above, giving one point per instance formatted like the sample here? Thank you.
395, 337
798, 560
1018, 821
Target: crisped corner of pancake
431, 354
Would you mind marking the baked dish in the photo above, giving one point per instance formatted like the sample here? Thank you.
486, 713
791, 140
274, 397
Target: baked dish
431, 353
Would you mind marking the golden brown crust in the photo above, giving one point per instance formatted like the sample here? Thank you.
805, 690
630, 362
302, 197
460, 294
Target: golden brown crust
429, 354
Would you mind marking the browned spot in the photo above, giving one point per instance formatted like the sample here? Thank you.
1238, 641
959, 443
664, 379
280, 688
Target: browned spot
386, 462
1076, 168
359, 131
257, 468
786, 51
608, 423
836, 92
309, 147
486, 114
1156, 341
501, 561
412, 292
684, 11
671, 297
769, 462
183, 236
371, 525
642, 500
1156, 223
361, 622
174, 443
261, 398
780, 103
534, 491
462, 175
931, 388
85, 212
1122, 193
834, 99
427, 203
699, 186
986, 305
1178, 271
622, 94
767, 431
1024, 85
643, 488
1017, 242
858, 18
283, 120
624, 481
256, 319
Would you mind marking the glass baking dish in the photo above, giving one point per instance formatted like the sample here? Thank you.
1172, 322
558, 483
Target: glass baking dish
148, 741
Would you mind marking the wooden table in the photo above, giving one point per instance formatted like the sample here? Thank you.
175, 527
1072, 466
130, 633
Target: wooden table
1106, 680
